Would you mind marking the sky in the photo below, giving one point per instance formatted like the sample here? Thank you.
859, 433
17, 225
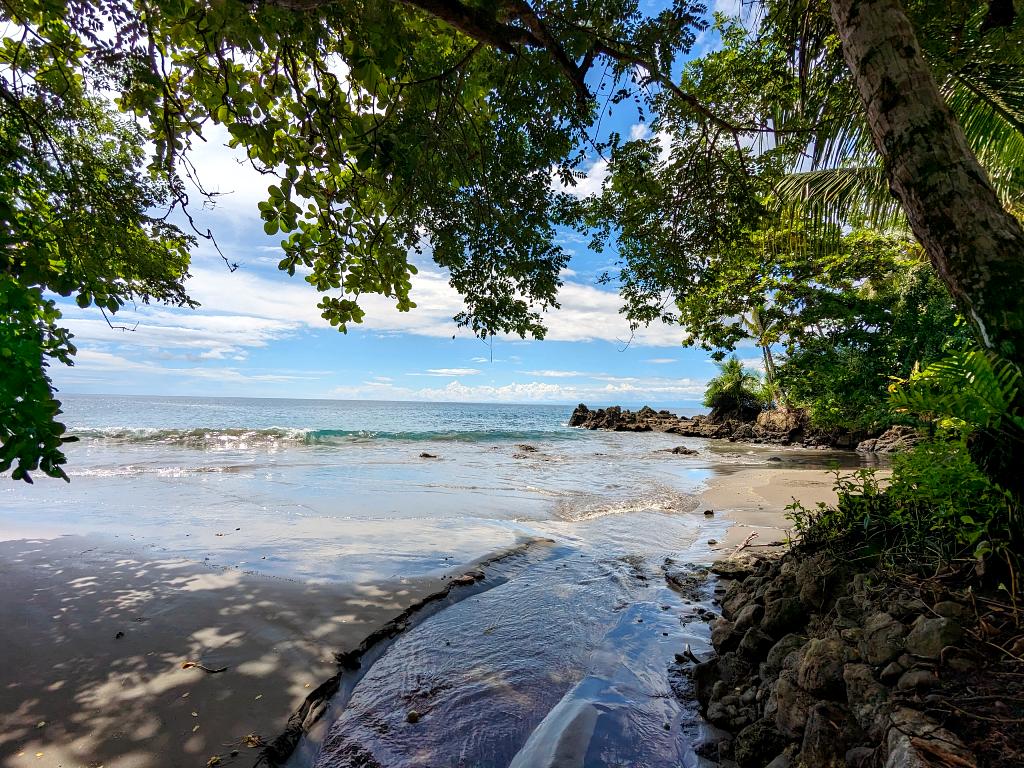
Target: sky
258, 332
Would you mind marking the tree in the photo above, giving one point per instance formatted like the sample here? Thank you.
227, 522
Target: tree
735, 392
387, 126
75, 220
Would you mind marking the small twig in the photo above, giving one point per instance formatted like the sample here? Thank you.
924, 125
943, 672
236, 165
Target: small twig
198, 665
744, 545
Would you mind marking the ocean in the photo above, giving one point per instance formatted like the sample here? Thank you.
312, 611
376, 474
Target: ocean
327, 490
562, 657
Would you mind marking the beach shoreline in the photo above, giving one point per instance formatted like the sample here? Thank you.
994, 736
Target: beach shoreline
98, 632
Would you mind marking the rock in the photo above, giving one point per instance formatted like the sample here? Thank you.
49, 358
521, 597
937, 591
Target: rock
774, 458
917, 680
705, 675
709, 513
883, 639
868, 700
778, 653
781, 425
682, 450
526, 448
748, 616
754, 742
893, 440
821, 670
860, 757
724, 636
755, 643
734, 567
930, 636
733, 669
789, 705
783, 760
426, 455
891, 673
412, 716
914, 739
824, 744
782, 615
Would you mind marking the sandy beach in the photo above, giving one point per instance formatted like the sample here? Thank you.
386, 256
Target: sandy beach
96, 636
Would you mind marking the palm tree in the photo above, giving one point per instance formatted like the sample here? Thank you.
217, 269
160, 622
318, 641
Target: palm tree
735, 393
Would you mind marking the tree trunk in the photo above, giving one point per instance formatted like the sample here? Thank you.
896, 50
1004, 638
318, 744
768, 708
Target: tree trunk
976, 246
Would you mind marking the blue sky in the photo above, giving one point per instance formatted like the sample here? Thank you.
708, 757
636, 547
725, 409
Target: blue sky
258, 332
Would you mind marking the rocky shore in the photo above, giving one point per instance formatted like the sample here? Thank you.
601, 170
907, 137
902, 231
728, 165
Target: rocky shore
822, 664
778, 426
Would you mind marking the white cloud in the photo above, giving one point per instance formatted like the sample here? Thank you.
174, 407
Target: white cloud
447, 372
635, 390
660, 360
557, 374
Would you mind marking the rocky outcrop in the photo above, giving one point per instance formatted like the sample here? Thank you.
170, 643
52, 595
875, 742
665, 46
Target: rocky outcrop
893, 440
778, 426
818, 665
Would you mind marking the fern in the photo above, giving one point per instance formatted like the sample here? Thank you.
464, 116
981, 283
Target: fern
966, 392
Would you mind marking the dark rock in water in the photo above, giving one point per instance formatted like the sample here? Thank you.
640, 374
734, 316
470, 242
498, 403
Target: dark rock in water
526, 448
774, 458
709, 513
893, 440
682, 450
518, 455
755, 741
412, 716
426, 455
930, 636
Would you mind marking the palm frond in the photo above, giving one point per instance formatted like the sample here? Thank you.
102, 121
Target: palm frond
837, 196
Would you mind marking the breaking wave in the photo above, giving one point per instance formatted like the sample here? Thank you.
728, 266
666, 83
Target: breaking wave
283, 437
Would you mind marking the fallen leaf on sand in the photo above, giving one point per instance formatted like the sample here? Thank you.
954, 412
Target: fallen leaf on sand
186, 694
258, 697
215, 760
195, 714
195, 728
199, 665
253, 740
41, 724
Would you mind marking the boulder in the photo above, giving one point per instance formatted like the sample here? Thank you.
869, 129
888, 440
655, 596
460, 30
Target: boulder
821, 669
754, 742
930, 636
882, 640
893, 440
782, 615
824, 744
914, 739
778, 653
789, 705
868, 700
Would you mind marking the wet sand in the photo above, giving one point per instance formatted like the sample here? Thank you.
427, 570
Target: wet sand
94, 638
754, 500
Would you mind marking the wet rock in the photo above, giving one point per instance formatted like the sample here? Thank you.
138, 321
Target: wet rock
782, 615
525, 448
860, 757
426, 455
734, 567
821, 670
883, 639
930, 636
412, 716
755, 741
682, 450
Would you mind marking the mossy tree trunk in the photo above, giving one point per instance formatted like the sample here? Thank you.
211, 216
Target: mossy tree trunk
976, 246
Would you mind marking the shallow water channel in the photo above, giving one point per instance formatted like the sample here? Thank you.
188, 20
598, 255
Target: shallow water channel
563, 656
